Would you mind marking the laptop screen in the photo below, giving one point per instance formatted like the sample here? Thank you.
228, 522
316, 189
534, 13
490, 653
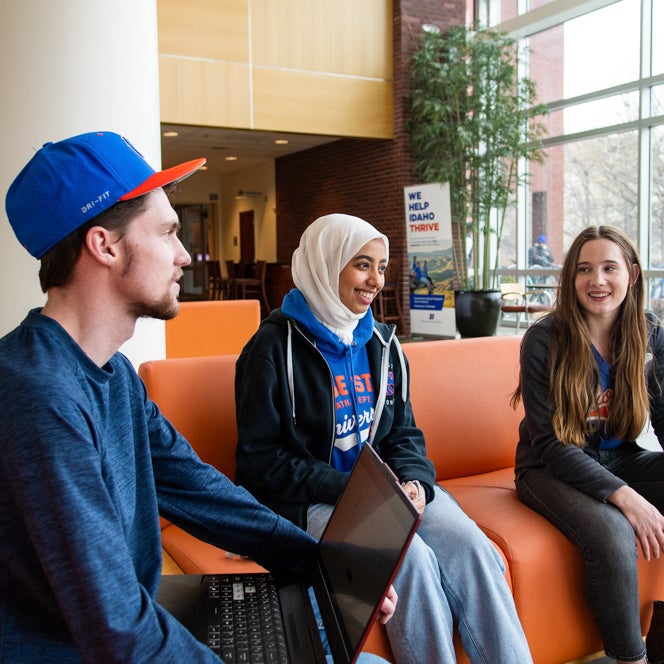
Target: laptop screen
363, 544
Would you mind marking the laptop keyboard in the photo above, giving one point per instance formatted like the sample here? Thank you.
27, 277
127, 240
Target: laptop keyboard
244, 619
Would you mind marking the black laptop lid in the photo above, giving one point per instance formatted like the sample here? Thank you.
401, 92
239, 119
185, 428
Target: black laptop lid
360, 553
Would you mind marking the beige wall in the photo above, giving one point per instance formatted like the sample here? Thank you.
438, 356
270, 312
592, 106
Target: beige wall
203, 187
312, 66
265, 216
61, 84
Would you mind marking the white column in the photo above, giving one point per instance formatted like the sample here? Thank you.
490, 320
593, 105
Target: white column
69, 67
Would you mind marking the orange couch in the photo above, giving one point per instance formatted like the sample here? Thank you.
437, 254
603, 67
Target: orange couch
460, 392
197, 395
211, 327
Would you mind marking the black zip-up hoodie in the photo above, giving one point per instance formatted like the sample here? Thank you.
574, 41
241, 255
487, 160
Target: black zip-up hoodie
285, 414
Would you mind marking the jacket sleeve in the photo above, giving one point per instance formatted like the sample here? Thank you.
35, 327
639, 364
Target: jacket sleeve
655, 373
204, 502
399, 442
567, 462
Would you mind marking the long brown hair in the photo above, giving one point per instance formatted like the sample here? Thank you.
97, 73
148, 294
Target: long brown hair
574, 378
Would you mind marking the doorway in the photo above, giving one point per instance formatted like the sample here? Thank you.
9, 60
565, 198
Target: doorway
247, 238
194, 234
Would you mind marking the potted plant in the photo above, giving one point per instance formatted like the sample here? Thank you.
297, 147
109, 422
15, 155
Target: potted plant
474, 123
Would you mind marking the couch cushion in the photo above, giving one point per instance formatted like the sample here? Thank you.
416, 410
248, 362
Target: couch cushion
545, 569
197, 395
211, 327
460, 391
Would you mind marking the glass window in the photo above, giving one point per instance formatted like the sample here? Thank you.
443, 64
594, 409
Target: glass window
590, 174
545, 203
591, 52
508, 241
657, 198
657, 42
606, 112
601, 184
602, 48
655, 286
658, 100
546, 63
502, 10
584, 183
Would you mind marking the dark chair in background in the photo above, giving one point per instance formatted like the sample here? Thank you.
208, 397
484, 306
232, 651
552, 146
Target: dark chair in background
215, 282
228, 287
387, 304
249, 288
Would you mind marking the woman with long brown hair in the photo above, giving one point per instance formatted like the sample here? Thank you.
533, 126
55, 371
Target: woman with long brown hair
591, 375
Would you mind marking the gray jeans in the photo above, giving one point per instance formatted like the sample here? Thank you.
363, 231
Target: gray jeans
608, 546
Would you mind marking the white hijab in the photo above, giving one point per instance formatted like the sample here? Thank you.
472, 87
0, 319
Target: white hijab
326, 247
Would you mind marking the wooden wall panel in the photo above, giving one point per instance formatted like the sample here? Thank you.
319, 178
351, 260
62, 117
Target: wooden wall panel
315, 104
338, 37
199, 92
321, 67
214, 29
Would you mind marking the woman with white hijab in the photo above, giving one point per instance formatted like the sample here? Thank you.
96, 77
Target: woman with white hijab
321, 378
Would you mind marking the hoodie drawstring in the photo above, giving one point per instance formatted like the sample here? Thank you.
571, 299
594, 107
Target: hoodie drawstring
289, 369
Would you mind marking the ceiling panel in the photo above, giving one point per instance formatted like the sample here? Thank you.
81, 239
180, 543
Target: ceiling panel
250, 148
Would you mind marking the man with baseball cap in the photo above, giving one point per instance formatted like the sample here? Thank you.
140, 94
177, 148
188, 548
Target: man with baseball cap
87, 462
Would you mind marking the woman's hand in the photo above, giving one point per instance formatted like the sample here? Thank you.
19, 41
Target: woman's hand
413, 489
645, 519
389, 605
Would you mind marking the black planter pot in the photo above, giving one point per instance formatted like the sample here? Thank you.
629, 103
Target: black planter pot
477, 312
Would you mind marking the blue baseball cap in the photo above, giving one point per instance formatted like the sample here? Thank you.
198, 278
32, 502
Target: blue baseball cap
541, 239
67, 183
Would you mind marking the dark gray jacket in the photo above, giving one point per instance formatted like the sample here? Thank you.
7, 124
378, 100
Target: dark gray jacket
539, 446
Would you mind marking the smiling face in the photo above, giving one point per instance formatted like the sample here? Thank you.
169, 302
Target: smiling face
153, 260
603, 278
364, 276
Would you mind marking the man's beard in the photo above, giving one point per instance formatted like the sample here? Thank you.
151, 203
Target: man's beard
164, 310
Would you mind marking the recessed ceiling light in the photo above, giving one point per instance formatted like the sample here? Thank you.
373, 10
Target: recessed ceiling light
281, 141
170, 134
230, 158
203, 168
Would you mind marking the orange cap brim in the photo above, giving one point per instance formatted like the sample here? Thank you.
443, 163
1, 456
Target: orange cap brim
167, 176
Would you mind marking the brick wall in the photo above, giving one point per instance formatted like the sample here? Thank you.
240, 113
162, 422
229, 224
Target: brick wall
362, 177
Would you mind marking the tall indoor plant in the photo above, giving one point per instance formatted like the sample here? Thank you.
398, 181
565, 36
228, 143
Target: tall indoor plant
473, 120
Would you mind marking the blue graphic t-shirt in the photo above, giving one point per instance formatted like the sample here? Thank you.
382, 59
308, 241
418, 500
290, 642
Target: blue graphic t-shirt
354, 403
349, 365
604, 398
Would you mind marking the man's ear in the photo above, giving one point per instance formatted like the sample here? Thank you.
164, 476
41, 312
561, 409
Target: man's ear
102, 244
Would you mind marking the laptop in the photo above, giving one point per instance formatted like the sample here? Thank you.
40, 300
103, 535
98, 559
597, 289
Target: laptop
357, 558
